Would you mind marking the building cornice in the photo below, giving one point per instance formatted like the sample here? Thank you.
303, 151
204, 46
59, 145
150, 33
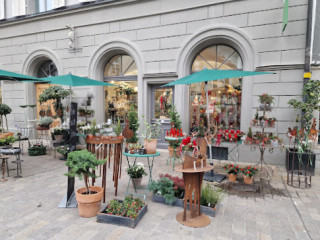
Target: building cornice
280, 67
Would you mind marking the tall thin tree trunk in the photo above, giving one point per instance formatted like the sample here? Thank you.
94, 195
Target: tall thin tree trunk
85, 178
2, 129
6, 122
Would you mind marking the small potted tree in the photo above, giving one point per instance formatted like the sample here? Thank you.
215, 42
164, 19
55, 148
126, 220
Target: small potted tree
248, 173
4, 111
151, 133
118, 129
176, 124
44, 123
266, 102
81, 164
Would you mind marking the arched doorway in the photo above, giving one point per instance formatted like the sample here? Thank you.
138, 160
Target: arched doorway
224, 95
121, 70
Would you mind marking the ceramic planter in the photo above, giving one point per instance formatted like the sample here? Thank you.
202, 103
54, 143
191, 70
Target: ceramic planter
150, 146
89, 204
232, 177
247, 180
58, 138
137, 181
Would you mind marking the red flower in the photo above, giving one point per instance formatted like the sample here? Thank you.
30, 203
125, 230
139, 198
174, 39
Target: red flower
186, 141
254, 168
248, 167
237, 166
249, 172
194, 143
241, 169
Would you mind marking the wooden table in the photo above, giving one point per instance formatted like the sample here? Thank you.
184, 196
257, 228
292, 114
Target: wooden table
104, 148
193, 182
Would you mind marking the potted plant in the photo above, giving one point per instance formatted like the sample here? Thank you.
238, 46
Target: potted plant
7, 141
136, 173
92, 130
248, 173
89, 99
37, 149
133, 124
233, 171
271, 121
256, 119
151, 133
58, 133
4, 111
118, 129
55, 93
266, 101
44, 123
163, 187
211, 196
82, 112
63, 150
174, 145
82, 164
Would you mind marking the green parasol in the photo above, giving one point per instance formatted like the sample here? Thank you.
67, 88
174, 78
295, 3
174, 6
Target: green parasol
11, 76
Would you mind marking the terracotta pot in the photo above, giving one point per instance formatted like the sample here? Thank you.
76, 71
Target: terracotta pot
5, 135
42, 128
171, 152
58, 138
137, 181
82, 114
89, 136
150, 146
247, 180
89, 205
232, 177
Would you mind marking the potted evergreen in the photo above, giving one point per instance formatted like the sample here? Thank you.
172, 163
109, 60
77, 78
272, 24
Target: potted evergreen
44, 123
151, 133
118, 130
82, 164
176, 124
4, 111
133, 125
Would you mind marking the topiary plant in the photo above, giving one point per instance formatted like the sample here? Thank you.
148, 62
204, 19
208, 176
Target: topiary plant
174, 117
45, 121
133, 124
4, 111
82, 163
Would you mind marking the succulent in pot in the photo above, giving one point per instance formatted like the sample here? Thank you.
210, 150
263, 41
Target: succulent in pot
44, 123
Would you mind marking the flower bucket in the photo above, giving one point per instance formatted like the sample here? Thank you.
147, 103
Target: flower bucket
150, 146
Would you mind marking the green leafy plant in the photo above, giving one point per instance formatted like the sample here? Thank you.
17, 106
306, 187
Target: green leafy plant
130, 207
58, 131
249, 171
63, 149
265, 98
55, 93
7, 141
45, 121
133, 124
174, 117
82, 163
136, 171
163, 187
210, 195
4, 111
93, 128
118, 128
249, 134
232, 169
178, 185
151, 131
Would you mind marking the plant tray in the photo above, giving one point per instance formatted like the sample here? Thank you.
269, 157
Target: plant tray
119, 220
179, 203
37, 152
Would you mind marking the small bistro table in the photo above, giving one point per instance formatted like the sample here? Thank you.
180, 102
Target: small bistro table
150, 159
172, 139
193, 181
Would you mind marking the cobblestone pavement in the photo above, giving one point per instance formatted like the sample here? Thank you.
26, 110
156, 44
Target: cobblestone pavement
28, 208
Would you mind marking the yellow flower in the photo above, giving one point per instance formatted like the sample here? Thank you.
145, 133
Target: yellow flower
311, 94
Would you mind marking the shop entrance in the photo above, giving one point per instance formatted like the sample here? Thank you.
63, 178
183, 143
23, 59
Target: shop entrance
162, 100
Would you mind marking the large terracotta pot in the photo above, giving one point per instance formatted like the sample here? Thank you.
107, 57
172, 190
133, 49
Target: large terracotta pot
5, 135
232, 177
247, 180
172, 153
150, 146
89, 204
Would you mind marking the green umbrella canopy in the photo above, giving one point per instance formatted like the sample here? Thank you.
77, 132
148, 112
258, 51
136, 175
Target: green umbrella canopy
11, 76
207, 75
72, 80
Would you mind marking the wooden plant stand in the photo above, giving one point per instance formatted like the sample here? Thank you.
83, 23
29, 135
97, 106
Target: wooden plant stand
193, 182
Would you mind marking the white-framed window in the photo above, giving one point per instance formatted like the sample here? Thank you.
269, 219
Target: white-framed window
58, 3
18, 7
2, 11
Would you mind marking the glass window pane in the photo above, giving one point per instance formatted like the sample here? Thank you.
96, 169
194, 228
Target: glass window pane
162, 102
49, 5
113, 67
132, 70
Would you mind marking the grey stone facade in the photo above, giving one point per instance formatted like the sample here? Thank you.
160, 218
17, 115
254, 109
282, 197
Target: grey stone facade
163, 37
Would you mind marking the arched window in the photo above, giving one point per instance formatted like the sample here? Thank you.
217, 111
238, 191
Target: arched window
47, 69
224, 95
120, 70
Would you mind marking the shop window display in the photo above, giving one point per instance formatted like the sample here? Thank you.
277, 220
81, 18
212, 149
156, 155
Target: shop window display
224, 95
122, 71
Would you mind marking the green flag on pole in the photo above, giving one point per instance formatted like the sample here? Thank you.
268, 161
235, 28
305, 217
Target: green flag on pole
285, 15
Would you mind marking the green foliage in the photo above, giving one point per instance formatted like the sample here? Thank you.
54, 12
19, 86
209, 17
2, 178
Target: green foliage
5, 109
130, 207
45, 121
94, 129
136, 171
7, 141
249, 135
174, 117
151, 131
58, 131
118, 128
266, 98
163, 187
82, 163
311, 95
249, 171
210, 195
133, 124
63, 149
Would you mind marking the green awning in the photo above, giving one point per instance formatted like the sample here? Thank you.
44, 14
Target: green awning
72, 80
11, 76
207, 75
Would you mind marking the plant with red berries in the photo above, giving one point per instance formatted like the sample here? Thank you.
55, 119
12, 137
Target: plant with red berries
249, 171
232, 169
178, 185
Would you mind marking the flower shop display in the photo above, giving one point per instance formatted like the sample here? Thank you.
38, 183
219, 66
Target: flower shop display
82, 164
44, 123
136, 172
266, 102
233, 171
124, 213
58, 133
55, 93
151, 132
37, 149
248, 173
4, 111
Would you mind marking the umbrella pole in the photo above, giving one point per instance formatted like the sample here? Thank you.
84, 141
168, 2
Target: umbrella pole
207, 103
